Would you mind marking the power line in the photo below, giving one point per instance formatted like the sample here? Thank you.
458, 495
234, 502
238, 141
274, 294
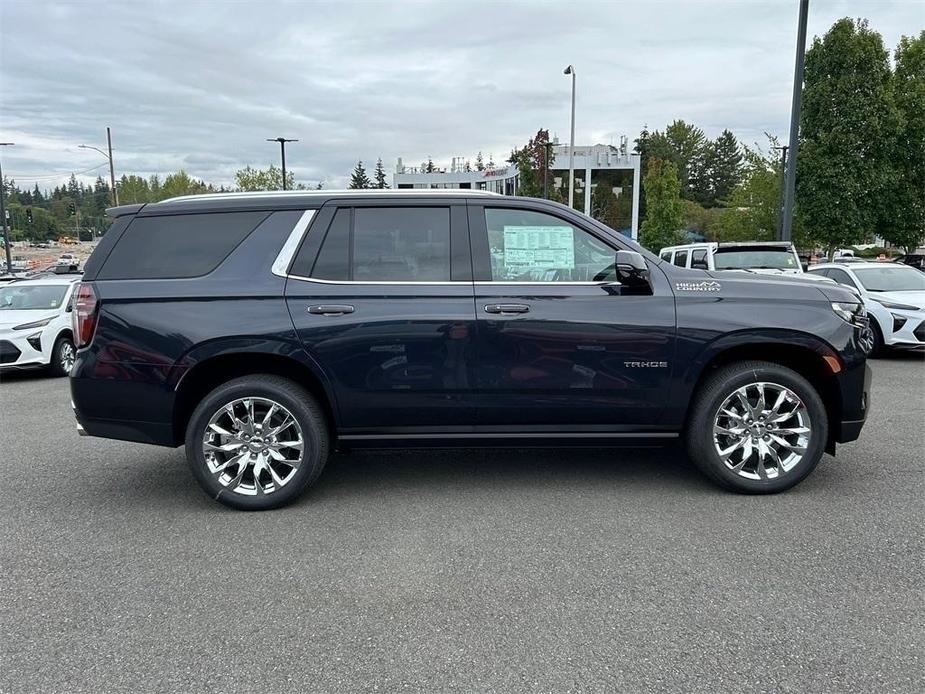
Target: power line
59, 175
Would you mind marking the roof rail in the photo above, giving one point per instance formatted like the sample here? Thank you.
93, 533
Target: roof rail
359, 192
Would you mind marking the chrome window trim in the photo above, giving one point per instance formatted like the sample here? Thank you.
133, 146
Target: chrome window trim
287, 252
480, 283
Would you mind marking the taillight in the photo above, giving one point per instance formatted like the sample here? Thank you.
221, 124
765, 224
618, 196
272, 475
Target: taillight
85, 311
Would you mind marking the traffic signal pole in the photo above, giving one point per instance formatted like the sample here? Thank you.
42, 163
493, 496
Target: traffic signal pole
6, 225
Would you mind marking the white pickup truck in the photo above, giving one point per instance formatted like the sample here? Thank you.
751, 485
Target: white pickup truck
770, 257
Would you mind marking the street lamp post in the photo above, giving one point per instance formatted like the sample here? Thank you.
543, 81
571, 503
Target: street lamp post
570, 70
282, 152
794, 144
6, 233
783, 188
112, 170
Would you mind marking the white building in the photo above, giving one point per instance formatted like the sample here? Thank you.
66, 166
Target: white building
504, 179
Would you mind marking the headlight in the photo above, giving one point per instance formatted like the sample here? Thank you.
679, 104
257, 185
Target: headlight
34, 324
851, 313
896, 307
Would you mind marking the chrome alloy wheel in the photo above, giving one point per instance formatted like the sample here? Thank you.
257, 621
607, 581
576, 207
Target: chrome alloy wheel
67, 356
253, 446
762, 431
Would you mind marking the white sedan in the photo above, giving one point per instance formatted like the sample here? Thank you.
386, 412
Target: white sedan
894, 296
35, 324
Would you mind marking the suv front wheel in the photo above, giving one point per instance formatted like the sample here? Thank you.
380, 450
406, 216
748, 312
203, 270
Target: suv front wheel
757, 427
257, 442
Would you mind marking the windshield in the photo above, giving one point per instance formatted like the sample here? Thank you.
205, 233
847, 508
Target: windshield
33, 297
891, 279
754, 258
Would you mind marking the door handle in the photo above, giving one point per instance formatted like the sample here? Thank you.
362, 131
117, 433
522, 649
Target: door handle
506, 308
331, 309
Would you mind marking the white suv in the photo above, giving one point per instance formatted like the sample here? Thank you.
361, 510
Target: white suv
893, 294
35, 324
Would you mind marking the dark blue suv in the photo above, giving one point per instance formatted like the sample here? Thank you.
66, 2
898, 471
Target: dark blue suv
264, 330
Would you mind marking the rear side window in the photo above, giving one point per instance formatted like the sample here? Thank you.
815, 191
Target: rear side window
386, 244
680, 258
177, 246
699, 259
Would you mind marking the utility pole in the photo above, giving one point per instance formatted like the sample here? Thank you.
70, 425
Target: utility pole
112, 169
570, 70
786, 228
114, 194
783, 175
546, 145
6, 226
282, 153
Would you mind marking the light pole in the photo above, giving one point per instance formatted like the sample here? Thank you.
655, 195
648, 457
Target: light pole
112, 170
282, 152
793, 146
6, 233
570, 70
783, 193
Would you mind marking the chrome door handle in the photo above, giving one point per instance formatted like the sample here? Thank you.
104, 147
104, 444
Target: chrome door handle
506, 308
331, 309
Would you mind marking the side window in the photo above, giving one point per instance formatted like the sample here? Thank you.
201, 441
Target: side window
391, 244
177, 246
699, 259
841, 277
333, 261
528, 246
666, 255
410, 244
680, 258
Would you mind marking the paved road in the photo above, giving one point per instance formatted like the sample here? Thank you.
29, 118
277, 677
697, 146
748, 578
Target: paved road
461, 572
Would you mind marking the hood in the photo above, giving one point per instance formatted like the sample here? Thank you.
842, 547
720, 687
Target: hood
10, 318
916, 299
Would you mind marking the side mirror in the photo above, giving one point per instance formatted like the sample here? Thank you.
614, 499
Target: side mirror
632, 273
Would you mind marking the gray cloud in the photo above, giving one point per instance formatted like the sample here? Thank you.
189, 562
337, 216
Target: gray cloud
200, 85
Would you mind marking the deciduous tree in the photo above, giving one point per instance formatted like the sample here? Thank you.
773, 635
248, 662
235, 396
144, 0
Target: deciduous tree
662, 225
846, 124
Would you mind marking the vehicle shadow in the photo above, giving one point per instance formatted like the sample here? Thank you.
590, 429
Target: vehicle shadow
893, 354
18, 375
360, 476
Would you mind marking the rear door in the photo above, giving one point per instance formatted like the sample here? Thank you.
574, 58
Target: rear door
557, 344
381, 296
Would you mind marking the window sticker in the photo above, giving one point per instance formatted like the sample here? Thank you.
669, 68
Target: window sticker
529, 248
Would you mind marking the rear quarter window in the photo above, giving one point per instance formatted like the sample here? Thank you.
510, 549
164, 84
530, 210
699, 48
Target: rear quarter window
177, 246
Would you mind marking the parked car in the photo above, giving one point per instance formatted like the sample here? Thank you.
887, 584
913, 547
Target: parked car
767, 257
264, 330
912, 260
35, 324
894, 296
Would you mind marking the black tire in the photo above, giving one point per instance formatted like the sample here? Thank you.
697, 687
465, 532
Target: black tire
58, 365
711, 396
878, 347
304, 409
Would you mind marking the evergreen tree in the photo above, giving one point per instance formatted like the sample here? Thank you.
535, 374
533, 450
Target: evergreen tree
662, 225
379, 175
429, 167
723, 168
479, 164
846, 122
359, 179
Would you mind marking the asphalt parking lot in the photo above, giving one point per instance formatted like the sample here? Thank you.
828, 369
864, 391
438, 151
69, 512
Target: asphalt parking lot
464, 571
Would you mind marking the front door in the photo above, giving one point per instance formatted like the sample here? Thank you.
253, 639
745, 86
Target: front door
558, 345
381, 297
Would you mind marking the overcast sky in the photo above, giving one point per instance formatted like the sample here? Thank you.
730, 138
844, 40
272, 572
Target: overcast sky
200, 85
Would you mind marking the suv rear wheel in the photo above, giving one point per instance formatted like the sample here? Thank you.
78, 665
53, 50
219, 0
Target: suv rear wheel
257, 442
757, 427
